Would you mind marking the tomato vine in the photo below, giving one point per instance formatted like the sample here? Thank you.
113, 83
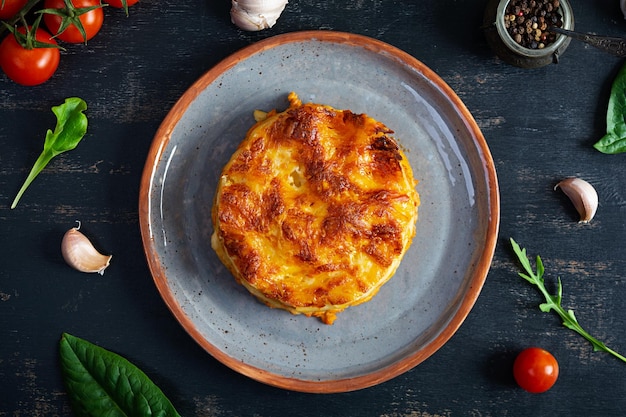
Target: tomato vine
71, 21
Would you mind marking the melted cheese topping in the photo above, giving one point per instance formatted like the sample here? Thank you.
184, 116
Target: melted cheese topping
315, 209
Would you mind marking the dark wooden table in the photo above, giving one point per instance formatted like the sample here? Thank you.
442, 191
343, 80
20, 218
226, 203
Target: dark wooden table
540, 125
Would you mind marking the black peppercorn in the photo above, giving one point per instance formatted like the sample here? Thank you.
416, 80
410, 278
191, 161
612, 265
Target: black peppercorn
527, 22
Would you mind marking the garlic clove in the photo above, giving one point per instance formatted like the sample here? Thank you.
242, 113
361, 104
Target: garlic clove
80, 254
583, 196
254, 15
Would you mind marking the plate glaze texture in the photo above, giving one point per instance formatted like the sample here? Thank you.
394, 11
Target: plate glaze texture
441, 275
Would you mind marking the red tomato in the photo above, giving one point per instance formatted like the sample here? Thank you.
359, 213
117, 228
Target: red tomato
29, 66
118, 3
535, 370
10, 8
92, 20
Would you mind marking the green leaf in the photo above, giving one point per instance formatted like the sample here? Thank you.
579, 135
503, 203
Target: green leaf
553, 302
545, 307
70, 129
101, 383
614, 141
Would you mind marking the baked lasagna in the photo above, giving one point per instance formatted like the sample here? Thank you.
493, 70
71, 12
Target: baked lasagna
315, 209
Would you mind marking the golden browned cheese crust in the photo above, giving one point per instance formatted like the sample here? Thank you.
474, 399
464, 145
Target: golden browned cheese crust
315, 209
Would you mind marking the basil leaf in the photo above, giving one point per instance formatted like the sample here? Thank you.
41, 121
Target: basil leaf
70, 129
102, 383
614, 141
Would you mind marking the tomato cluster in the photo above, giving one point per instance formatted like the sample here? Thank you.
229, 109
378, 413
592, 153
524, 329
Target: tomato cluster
31, 54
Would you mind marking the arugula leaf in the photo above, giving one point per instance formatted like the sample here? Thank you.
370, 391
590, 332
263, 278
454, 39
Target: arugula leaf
101, 383
615, 139
553, 302
70, 129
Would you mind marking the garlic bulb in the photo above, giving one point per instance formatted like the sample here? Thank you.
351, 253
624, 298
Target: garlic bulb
253, 15
80, 254
583, 196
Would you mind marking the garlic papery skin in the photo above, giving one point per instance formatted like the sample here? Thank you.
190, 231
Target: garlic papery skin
80, 254
583, 196
255, 15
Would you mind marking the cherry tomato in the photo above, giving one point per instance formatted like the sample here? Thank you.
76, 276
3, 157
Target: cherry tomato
118, 3
92, 20
29, 66
10, 8
535, 370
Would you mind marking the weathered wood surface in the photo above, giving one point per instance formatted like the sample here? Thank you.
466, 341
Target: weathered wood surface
540, 125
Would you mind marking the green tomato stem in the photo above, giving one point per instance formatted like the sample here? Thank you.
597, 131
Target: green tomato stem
27, 7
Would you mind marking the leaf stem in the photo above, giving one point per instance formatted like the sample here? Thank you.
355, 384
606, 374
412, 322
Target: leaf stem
39, 165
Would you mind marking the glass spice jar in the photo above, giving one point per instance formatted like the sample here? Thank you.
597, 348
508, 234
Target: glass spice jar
521, 53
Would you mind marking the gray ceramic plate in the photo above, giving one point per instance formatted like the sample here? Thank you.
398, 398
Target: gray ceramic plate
419, 309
